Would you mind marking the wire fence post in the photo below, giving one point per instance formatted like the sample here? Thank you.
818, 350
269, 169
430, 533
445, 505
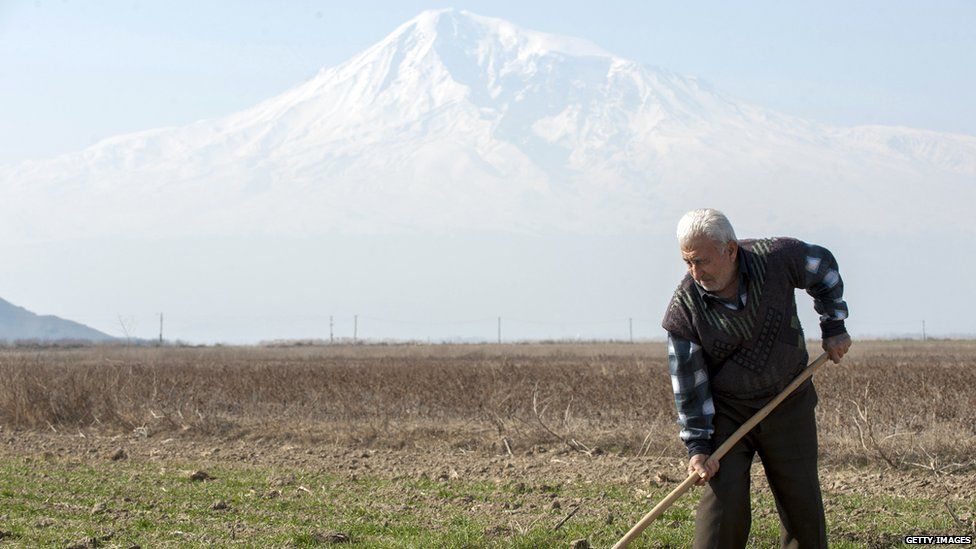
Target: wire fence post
499, 330
355, 328
331, 332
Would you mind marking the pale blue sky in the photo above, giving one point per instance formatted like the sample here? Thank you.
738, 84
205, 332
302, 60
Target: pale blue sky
72, 73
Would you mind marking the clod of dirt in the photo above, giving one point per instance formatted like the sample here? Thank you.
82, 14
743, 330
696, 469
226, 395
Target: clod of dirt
5, 535
610, 518
444, 477
282, 481
220, 505
555, 504
119, 455
579, 544
332, 538
99, 508
497, 531
43, 522
200, 476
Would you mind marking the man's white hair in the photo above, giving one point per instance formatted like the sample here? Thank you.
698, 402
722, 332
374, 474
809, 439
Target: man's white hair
705, 222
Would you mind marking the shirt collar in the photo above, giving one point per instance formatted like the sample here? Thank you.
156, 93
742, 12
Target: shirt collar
744, 275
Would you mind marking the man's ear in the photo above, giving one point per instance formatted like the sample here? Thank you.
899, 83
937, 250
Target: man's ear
733, 249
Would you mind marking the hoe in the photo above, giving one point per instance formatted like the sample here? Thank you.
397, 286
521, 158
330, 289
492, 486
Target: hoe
659, 509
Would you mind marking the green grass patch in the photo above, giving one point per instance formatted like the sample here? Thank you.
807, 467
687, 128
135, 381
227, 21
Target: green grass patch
53, 502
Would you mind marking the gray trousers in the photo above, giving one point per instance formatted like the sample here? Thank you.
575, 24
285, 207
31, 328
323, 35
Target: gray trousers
786, 442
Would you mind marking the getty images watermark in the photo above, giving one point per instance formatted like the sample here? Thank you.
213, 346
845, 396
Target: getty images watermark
938, 540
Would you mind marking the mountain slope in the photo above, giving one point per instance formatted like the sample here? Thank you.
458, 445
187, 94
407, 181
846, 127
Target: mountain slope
17, 323
458, 121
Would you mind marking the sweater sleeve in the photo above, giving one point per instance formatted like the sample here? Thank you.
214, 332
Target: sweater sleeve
820, 277
692, 394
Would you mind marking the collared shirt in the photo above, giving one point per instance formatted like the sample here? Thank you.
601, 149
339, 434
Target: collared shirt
686, 362
708, 297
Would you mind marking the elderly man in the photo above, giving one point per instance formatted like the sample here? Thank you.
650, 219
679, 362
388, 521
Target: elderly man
734, 342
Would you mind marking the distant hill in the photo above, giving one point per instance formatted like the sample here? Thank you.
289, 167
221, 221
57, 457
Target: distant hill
17, 323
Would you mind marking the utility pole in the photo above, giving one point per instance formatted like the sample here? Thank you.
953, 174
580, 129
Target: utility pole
923, 330
331, 333
355, 328
499, 330
631, 320
160, 328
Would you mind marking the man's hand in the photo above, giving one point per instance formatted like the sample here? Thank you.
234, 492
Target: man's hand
704, 467
837, 346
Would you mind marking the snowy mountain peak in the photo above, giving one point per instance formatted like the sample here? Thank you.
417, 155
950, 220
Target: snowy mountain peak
459, 121
451, 55
450, 27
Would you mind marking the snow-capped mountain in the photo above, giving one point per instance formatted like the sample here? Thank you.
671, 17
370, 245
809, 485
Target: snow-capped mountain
458, 121
463, 167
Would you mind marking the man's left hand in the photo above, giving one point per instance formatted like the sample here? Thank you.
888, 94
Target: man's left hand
837, 346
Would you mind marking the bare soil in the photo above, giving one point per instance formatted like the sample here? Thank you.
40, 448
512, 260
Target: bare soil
541, 465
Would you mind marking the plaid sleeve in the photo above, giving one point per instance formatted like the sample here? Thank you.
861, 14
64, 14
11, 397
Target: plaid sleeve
692, 394
823, 282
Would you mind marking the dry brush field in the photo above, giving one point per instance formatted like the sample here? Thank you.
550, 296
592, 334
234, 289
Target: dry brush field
511, 422
890, 401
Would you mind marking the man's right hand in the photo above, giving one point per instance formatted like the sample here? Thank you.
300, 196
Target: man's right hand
704, 467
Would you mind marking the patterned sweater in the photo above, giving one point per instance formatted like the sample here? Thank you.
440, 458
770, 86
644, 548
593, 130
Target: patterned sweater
749, 350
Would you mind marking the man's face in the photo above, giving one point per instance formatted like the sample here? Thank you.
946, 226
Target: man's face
712, 265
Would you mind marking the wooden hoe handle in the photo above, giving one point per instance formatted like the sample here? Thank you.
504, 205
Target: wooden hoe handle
659, 509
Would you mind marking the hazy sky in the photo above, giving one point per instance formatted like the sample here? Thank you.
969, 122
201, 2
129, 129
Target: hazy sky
76, 72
